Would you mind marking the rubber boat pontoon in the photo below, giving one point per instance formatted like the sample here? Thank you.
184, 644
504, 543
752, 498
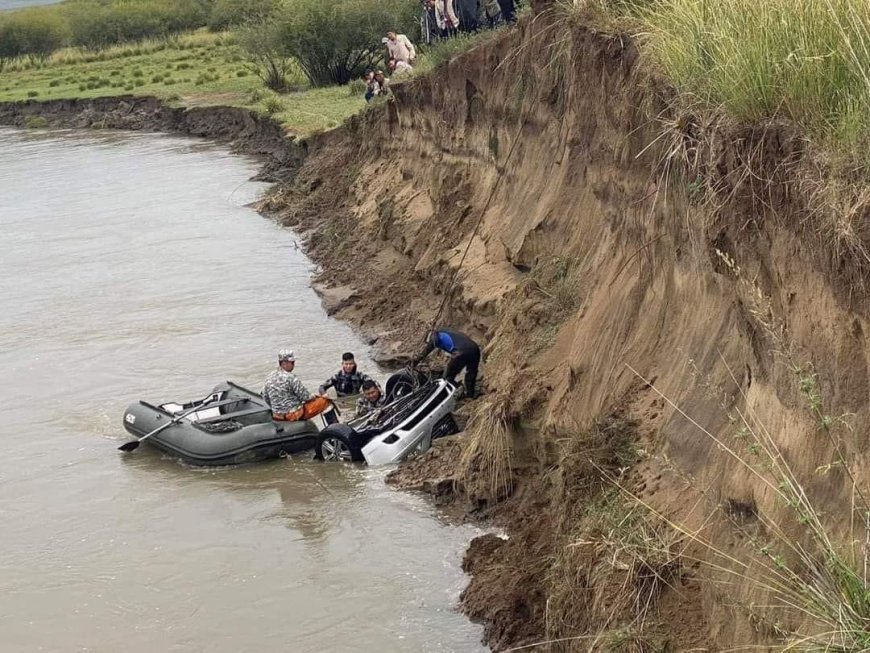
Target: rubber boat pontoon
232, 425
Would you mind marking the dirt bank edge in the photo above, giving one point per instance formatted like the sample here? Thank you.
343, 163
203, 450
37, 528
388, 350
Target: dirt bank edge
246, 131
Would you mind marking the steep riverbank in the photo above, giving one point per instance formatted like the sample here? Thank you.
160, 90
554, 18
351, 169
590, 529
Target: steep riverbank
628, 265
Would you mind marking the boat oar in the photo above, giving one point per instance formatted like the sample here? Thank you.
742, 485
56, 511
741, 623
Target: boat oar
134, 444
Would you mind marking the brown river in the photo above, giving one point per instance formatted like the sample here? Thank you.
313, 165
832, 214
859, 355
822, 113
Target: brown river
130, 268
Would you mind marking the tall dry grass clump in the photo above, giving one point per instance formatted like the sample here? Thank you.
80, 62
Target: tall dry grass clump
486, 462
805, 60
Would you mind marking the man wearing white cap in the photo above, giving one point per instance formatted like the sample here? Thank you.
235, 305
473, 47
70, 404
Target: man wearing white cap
283, 391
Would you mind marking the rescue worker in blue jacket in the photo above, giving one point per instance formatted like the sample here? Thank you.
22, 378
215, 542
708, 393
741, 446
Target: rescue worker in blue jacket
463, 351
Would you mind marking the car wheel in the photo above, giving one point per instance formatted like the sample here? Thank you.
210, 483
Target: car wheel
337, 443
445, 426
404, 383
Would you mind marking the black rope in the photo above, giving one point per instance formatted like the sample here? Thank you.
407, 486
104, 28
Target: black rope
489, 199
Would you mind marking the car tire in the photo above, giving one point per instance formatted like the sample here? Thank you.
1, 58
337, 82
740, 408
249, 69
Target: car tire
445, 426
404, 383
338, 443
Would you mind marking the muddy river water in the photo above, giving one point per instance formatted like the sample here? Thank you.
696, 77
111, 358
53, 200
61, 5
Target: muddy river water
130, 268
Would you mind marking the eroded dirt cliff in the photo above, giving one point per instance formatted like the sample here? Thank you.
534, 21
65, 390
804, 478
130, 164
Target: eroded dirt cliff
674, 311
649, 285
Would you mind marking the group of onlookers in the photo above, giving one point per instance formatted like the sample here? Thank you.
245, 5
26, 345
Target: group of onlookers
446, 18
441, 19
401, 54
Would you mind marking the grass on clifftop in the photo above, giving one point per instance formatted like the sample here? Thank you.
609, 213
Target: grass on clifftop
804, 60
196, 69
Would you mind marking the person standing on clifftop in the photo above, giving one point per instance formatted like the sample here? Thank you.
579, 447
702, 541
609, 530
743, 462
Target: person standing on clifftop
508, 10
463, 351
400, 48
446, 18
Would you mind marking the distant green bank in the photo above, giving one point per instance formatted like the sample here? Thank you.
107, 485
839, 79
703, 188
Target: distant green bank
194, 69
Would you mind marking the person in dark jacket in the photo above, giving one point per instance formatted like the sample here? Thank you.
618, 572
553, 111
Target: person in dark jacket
463, 351
347, 381
508, 10
371, 399
468, 11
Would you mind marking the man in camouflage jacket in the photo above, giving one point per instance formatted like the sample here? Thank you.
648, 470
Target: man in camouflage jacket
283, 391
371, 398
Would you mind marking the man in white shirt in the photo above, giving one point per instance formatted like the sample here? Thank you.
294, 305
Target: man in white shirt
400, 47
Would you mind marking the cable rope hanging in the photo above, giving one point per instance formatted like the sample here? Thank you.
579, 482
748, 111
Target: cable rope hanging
455, 276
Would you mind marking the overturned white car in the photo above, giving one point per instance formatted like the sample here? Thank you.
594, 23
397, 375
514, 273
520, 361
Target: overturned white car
418, 410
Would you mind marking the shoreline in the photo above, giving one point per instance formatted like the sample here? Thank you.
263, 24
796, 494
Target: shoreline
244, 130
280, 157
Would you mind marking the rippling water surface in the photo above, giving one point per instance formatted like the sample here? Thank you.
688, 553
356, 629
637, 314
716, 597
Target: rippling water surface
130, 268
8, 5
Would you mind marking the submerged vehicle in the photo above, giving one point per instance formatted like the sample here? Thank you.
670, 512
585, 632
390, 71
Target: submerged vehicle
232, 425
418, 410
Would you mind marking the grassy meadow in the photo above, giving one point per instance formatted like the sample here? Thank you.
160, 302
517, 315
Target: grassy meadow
194, 69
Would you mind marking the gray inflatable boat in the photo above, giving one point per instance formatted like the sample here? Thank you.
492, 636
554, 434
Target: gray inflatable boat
232, 425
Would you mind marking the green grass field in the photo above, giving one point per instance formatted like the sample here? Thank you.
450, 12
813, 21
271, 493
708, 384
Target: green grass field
196, 69
807, 61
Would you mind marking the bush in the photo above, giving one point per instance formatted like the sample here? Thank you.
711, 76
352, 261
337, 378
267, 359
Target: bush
32, 93
357, 87
273, 105
230, 13
335, 41
268, 54
96, 24
34, 33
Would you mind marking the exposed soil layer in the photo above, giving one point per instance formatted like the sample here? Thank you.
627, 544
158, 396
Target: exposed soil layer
625, 264
246, 131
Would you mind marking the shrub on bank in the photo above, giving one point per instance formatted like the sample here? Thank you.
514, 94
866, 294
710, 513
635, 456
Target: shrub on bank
96, 24
34, 33
333, 41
